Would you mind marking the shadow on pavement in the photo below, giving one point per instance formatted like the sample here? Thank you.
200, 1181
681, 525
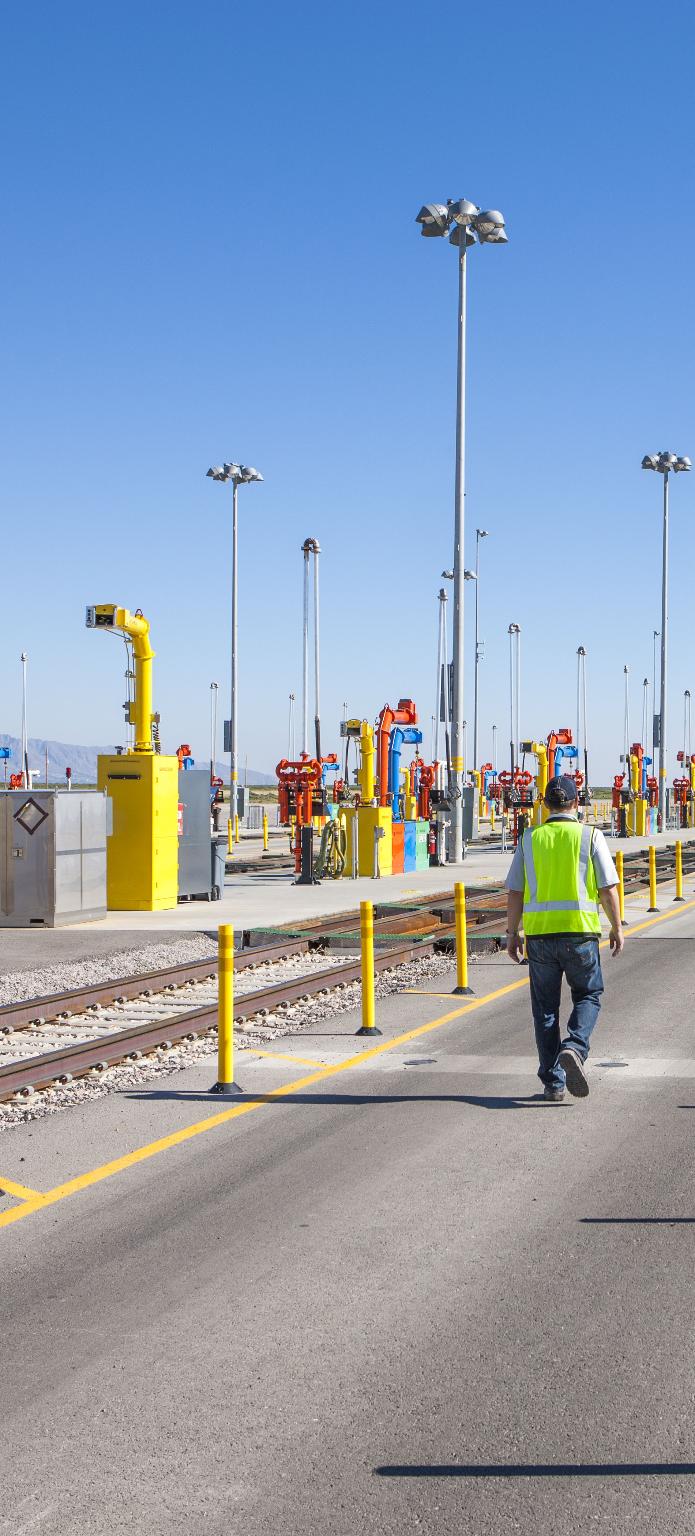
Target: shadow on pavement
535, 1101
541, 1469
638, 1221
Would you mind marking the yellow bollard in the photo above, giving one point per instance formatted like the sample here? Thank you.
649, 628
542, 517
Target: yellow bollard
621, 883
225, 1013
229, 835
652, 879
265, 832
461, 940
236, 829
367, 952
492, 820
679, 871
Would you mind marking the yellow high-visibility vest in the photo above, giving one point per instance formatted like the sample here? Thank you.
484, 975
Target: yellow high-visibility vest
560, 887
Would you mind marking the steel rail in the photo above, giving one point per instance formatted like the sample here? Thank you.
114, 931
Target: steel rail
76, 1060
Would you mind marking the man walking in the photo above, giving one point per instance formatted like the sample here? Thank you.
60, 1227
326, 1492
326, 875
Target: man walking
559, 874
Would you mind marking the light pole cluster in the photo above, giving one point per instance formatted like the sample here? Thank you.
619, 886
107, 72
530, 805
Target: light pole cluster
664, 463
465, 224
236, 475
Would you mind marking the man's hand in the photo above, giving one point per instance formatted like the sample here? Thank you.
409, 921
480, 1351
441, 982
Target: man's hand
515, 947
617, 942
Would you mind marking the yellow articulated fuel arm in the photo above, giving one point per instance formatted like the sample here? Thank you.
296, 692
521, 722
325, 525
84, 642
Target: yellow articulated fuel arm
142, 785
137, 627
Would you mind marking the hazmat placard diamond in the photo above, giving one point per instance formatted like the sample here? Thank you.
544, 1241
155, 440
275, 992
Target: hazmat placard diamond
31, 816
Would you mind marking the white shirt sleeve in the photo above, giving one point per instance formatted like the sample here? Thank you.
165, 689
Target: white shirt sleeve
515, 878
604, 868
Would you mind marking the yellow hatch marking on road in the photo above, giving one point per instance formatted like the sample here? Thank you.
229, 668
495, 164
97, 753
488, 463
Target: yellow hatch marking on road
304, 1061
20, 1191
177, 1138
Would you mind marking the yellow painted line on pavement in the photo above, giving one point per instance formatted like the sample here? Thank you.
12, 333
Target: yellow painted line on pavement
20, 1191
303, 1061
187, 1133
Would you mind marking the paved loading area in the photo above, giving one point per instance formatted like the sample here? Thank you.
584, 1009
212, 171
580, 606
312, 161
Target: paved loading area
382, 1294
267, 897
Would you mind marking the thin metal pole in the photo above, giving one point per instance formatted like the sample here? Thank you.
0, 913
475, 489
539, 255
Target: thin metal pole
645, 712
477, 651
445, 676
655, 638
494, 749
234, 745
317, 706
626, 722
664, 663
305, 655
518, 689
441, 612
456, 849
213, 728
25, 737
511, 697
290, 741
586, 728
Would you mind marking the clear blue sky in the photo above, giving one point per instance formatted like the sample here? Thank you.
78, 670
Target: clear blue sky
210, 251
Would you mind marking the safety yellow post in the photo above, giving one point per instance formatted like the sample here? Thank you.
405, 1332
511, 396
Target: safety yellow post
265, 832
492, 818
461, 940
225, 1013
367, 952
679, 871
229, 835
236, 829
652, 879
621, 882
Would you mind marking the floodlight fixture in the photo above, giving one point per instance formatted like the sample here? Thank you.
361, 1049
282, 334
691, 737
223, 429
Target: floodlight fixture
470, 576
433, 218
462, 212
448, 575
489, 222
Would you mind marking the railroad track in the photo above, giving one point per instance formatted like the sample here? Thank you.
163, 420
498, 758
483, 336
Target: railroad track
125, 1019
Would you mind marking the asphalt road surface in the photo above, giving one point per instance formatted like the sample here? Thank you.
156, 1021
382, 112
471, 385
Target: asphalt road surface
411, 1297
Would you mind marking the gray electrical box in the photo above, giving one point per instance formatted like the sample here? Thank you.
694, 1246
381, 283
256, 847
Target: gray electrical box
195, 859
52, 856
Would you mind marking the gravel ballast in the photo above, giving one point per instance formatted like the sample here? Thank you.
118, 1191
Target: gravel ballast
289, 1019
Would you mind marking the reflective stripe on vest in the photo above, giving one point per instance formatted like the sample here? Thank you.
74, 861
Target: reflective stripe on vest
566, 868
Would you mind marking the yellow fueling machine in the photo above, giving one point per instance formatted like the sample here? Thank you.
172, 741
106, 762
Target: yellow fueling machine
142, 785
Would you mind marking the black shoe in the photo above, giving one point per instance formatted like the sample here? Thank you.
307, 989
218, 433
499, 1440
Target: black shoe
575, 1076
553, 1093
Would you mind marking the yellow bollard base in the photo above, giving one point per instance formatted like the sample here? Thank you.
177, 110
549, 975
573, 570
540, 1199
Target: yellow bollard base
366, 1030
463, 991
229, 1090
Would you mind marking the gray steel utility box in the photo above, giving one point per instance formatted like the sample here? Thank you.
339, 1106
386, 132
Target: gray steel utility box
195, 863
52, 856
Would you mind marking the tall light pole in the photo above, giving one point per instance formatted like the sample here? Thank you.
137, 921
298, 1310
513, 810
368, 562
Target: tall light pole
656, 634
290, 732
480, 533
663, 463
514, 633
238, 474
310, 547
25, 737
464, 223
214, 690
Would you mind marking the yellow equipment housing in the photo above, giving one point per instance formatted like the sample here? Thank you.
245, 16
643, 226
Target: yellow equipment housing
369, 817
142, 852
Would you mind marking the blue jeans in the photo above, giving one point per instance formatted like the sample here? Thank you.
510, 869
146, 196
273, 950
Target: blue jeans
550, 957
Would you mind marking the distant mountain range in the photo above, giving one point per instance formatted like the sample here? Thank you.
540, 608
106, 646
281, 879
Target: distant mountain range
83, 761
